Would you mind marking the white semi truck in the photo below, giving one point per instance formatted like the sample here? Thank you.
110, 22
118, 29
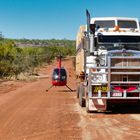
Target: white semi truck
108, 62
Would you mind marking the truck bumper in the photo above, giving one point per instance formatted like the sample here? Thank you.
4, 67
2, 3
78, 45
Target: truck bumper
97, 104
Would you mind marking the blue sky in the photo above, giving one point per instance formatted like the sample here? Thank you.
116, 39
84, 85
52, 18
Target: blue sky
59, 19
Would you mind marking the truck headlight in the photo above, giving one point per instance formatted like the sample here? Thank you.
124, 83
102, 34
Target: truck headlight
102, 62
97, 78
102, 59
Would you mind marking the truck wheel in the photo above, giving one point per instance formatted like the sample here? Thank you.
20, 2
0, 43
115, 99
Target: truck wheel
87, 106
139, 104
81, 95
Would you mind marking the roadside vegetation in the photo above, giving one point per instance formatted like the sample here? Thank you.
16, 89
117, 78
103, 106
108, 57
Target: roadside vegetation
44, 42
25, 60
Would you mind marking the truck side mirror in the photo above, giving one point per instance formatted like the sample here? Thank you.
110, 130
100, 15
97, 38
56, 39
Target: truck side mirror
92, 28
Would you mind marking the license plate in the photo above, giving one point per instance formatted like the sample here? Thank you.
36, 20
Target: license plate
101, 88
117, 94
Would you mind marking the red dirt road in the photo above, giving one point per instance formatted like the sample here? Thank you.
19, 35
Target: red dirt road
28, 112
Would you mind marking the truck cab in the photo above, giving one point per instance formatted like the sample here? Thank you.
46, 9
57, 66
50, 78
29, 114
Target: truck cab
109, 56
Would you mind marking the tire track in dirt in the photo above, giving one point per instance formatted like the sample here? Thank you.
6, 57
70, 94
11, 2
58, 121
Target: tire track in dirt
38, 115
110, 126
33, 114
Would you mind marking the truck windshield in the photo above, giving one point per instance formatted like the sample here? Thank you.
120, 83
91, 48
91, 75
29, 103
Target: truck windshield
105, 24
127, 24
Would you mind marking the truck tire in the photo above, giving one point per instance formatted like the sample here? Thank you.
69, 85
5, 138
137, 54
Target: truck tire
87, 106
81, 95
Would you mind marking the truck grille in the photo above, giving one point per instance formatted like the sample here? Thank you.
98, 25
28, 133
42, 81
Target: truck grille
122, 66
125, 62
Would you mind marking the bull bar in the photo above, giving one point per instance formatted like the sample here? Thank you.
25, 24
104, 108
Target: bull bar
108, 72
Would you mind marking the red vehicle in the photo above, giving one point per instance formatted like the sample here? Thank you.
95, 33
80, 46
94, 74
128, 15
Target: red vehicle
59, 76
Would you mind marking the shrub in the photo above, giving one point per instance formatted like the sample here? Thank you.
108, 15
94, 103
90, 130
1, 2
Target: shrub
15, 60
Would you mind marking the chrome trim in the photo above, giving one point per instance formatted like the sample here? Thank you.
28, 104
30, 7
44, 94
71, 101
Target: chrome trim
125, 67
129, 73
130, 82
90, 85
115, 98
109, 73
109, 82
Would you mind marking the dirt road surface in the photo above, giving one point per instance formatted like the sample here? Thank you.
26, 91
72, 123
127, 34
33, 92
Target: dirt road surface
28, 112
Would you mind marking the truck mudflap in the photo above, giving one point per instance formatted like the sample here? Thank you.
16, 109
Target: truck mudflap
96, 105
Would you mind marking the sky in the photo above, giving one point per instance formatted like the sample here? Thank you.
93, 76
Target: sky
57, 19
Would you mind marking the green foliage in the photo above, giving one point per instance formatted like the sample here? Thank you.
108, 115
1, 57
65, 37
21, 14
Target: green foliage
44, 43
15, 60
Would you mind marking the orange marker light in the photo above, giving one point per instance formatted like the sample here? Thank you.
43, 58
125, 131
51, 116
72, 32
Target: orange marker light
117, 28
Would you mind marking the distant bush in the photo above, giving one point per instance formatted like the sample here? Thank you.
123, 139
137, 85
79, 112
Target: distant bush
44, 43
15, 60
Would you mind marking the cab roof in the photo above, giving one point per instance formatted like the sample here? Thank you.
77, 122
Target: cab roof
113, 18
